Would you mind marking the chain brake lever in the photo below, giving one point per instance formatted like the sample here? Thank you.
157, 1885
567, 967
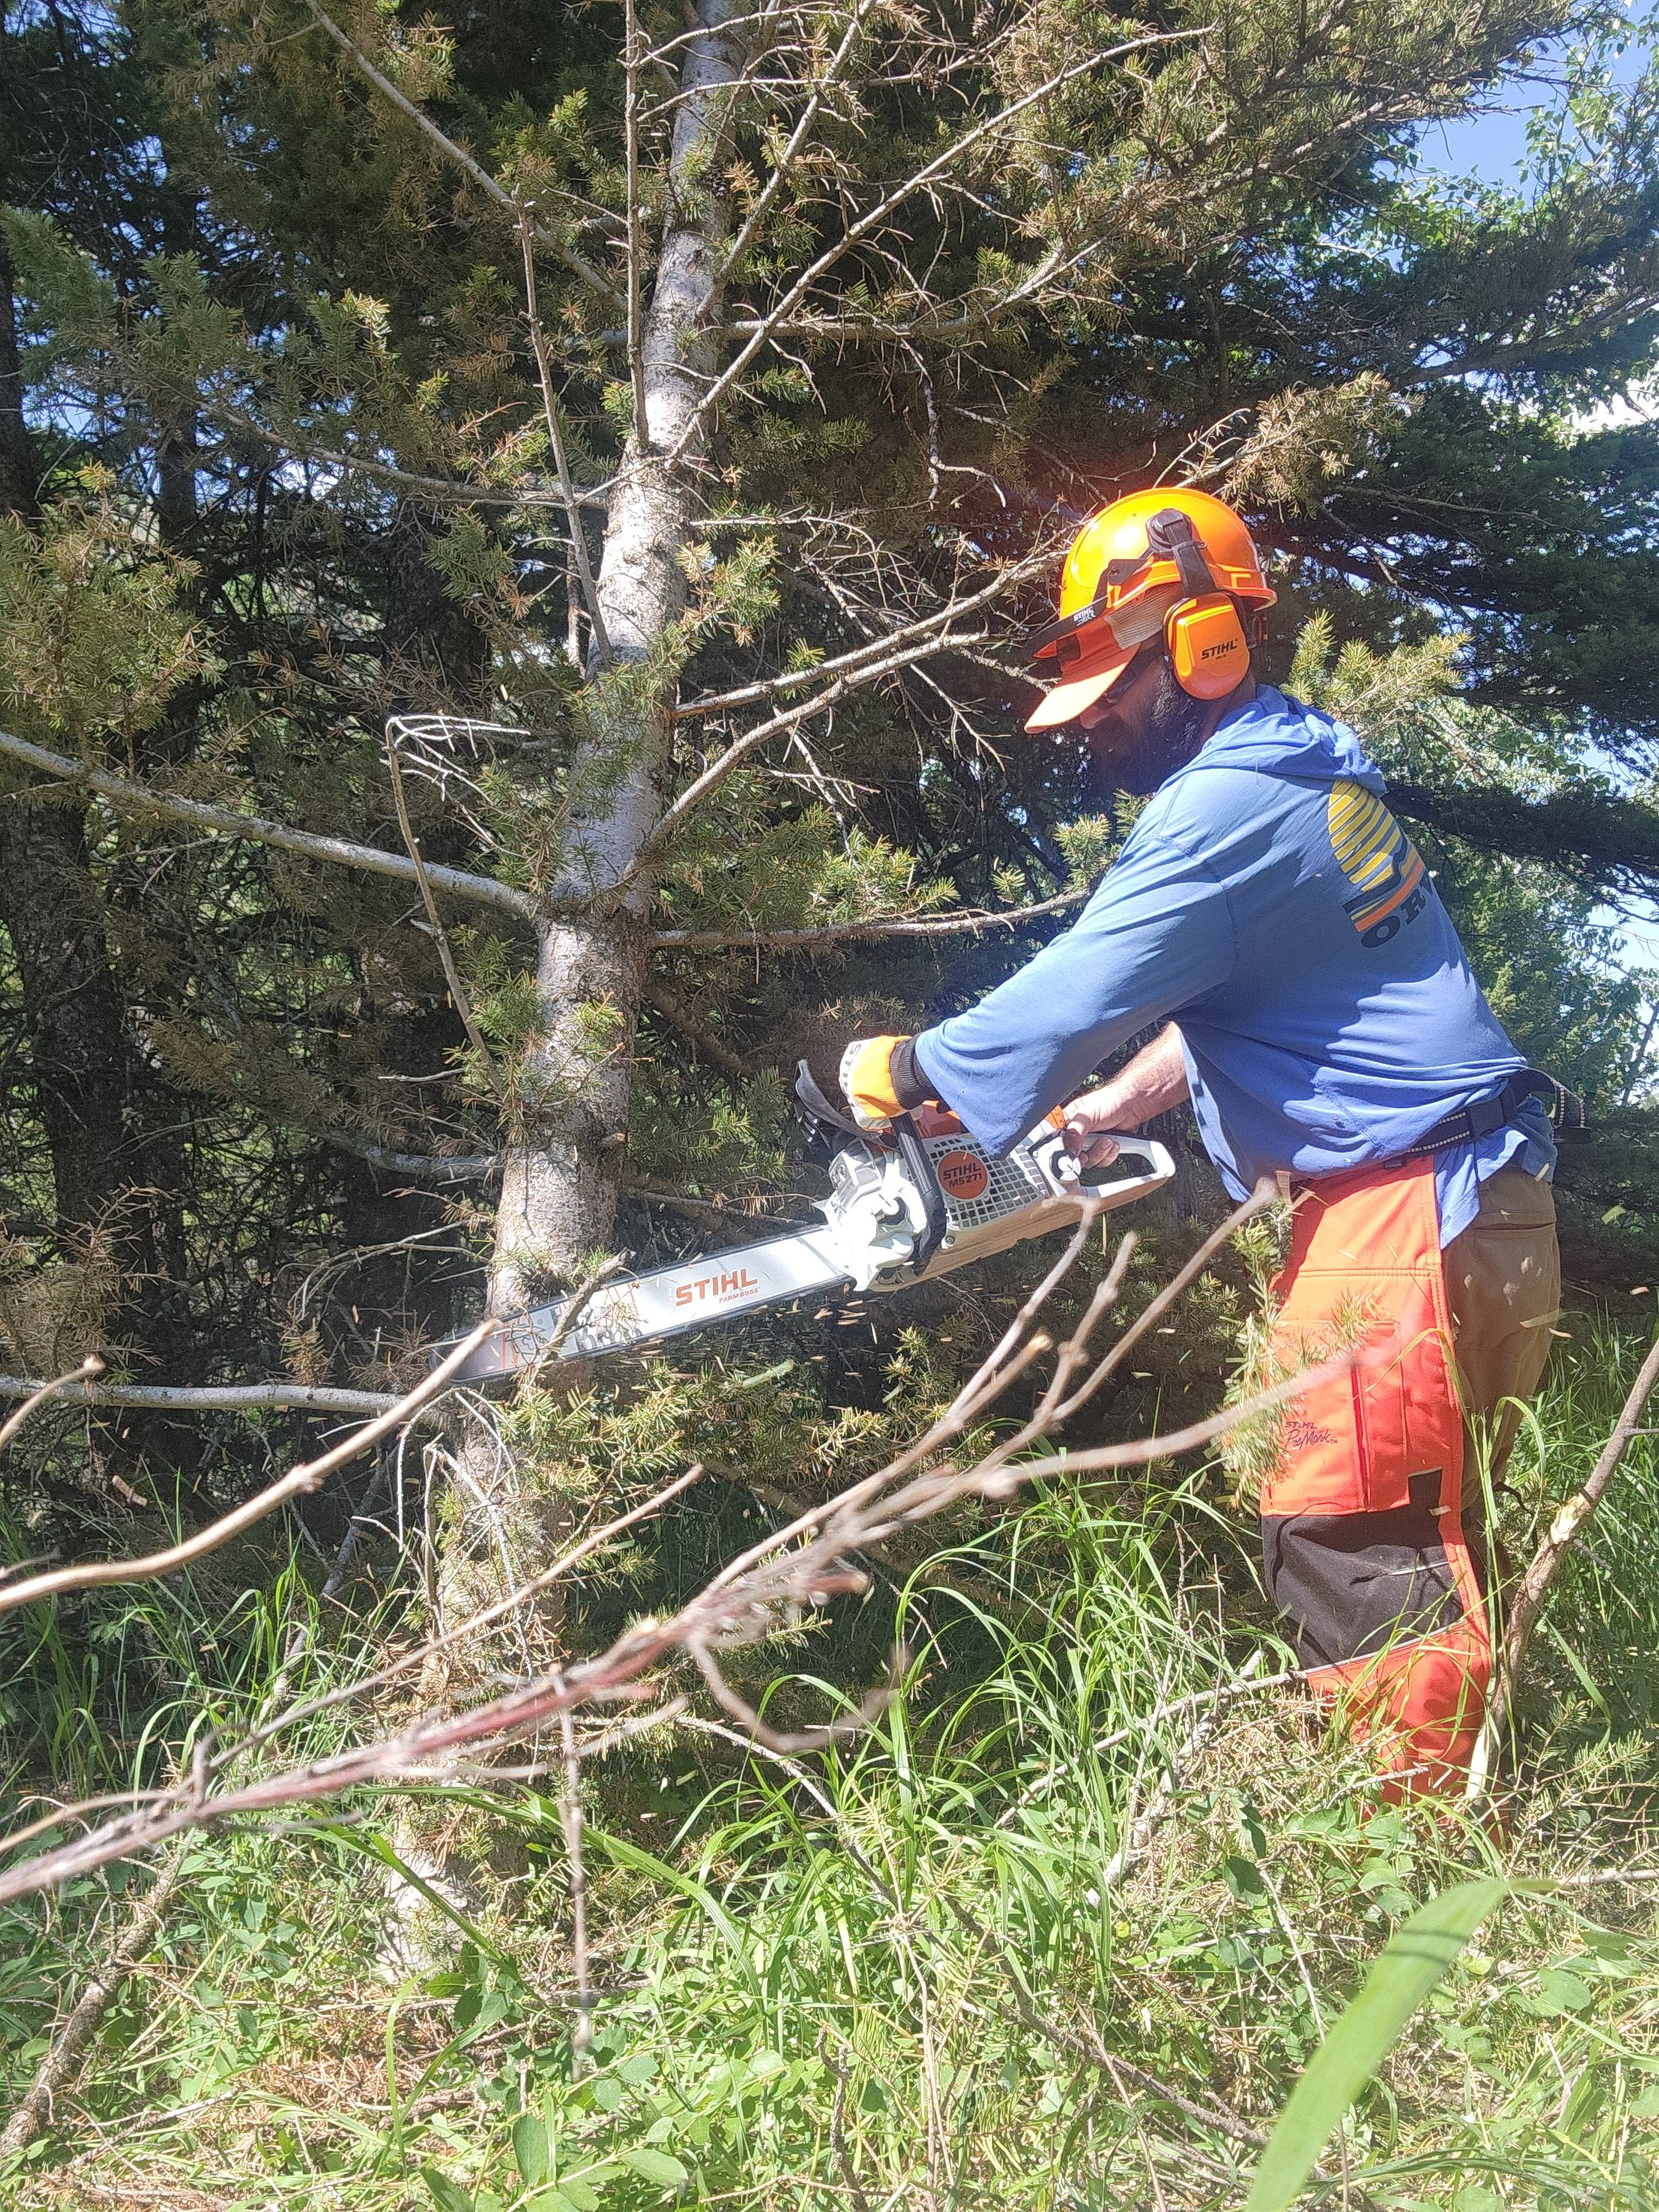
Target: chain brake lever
920, 1167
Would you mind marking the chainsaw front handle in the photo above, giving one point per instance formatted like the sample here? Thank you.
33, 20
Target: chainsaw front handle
1149, 1165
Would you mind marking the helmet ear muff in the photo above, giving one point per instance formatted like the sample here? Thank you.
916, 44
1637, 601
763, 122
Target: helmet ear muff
1208, 647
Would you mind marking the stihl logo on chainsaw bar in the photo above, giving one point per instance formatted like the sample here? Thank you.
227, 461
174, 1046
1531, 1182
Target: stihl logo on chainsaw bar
963, 1175
728, 1285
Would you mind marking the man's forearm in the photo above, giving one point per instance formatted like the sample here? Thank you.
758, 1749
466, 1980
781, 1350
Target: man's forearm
1154, 1081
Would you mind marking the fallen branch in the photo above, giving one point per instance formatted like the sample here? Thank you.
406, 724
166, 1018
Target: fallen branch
206, 1397
793, 1568
1527, 1601
298, 1482
63, 2058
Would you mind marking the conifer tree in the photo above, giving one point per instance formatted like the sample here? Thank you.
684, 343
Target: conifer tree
687, 411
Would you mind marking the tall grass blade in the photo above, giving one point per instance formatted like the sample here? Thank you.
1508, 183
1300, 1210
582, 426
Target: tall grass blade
1409, 1964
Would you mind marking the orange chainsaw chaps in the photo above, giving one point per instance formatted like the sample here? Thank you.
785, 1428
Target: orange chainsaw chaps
1362, 1514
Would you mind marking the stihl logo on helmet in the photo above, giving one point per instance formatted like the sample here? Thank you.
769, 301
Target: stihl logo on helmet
1178, 566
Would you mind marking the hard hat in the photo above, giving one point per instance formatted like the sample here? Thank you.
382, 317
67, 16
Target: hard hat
1175, 563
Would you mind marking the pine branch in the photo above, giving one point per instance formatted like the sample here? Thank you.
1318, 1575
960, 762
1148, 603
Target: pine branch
574, 262
1611, 838
844, 932
769, 324
144, 798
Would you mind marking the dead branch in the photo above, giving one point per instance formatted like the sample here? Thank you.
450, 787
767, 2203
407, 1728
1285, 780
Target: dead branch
90, 1366
924, 627
457, 991
419, 1167
696, 1033
209, 1397
788, 718
555, 436
298, 1482
63, 2058
793, 1568
452, 491
142, 798
1527, 1601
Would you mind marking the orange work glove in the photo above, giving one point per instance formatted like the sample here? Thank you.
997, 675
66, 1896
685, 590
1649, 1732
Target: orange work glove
866, 1080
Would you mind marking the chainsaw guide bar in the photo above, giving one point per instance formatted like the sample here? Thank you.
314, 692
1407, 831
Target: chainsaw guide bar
922, 1204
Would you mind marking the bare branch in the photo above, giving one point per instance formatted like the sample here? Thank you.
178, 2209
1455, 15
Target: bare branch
1565, 1531
928, 626
457, 991
555, 440
788, 718
210, 1397
795, 1567
783, 167
636, 238
454, 491
143, 798
90, 1366
419, 1167
298, 1482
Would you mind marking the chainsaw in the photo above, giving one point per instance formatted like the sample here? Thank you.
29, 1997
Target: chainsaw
904, 1206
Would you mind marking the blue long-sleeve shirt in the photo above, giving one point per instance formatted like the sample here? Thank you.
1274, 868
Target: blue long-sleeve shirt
1268, 902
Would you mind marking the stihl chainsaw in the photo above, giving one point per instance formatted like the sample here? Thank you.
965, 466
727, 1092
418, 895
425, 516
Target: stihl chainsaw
902, 1209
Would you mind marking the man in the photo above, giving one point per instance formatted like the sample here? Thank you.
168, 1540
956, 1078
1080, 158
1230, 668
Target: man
1323, 1021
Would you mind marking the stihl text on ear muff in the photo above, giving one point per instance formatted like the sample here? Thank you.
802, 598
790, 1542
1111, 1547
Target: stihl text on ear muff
1208, 647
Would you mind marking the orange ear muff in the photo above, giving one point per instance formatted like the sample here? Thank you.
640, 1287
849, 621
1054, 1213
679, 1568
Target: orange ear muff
1208, 649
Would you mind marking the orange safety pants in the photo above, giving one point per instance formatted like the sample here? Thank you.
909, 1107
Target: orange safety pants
1362, 1512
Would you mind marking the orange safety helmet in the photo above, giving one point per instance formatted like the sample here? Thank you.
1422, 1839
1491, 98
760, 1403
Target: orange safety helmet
1178, 563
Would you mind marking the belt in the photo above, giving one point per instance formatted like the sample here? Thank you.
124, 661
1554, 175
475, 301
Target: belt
1469, 1123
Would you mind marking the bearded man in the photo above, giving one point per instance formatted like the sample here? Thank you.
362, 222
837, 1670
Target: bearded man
1321, 1017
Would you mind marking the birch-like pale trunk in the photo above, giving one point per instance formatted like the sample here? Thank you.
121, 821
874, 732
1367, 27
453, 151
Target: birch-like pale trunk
559, 1189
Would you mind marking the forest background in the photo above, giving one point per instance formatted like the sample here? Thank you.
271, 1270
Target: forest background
689, 407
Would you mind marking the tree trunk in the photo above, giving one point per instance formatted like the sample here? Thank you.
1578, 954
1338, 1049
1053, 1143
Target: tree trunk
559, 1191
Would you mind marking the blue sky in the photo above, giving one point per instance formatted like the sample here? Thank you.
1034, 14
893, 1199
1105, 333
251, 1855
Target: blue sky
1491, 144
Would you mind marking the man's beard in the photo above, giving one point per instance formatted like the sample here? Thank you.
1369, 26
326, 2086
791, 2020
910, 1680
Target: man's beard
1168, 730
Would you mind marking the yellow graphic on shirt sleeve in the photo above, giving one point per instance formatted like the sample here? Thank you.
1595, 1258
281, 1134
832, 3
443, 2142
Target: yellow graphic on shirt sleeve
1377, 858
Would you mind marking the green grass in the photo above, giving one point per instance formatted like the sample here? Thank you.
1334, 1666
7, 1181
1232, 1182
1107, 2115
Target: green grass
914, 1972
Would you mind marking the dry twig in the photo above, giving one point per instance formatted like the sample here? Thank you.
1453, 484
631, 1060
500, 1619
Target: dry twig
792, 1570
298, 1482
1527, 1601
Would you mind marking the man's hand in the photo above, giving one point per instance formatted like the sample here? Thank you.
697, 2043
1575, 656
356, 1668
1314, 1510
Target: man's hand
1153, 1082
1085, 1120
